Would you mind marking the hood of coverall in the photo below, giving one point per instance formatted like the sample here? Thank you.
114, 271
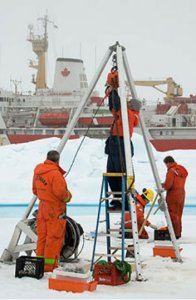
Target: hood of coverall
46, 167
181, 171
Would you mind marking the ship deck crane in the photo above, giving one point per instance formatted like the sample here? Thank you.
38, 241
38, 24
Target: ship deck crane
173, 89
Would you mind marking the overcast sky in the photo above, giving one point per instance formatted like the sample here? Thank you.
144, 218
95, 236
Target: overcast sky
159, 37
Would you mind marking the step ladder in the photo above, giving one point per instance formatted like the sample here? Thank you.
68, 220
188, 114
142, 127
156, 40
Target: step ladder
112, 251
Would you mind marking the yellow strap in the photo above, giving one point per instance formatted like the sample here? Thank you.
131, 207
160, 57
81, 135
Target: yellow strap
130, 182
114, 174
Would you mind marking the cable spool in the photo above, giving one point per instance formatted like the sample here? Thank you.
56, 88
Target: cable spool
71, 240
73, 233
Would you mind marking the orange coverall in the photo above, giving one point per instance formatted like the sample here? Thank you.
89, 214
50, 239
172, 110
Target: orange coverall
140, 205
133, 117
50, 187
174, 185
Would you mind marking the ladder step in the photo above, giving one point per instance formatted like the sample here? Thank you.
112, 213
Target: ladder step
117, 230
120, 248
114, 193
114, 174
110, 235
109, 198
114, 211
108, 255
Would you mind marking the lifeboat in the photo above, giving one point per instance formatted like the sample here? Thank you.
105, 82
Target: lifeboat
54, 118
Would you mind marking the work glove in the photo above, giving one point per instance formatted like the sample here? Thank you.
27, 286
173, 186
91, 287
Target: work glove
153, 226
162, 205
68, 198
134, 193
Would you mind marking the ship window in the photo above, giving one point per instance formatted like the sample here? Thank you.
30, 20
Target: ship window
83, 77
83, 84
174, 122
50, 132
38, 131
61, 131
83, 81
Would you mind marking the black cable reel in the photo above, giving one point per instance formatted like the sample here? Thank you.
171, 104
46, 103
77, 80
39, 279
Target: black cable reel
72, 239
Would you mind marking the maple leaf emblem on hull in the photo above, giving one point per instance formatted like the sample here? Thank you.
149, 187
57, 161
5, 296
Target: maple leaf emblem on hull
65, 72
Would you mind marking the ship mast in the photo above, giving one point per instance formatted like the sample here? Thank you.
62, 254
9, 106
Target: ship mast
40, 47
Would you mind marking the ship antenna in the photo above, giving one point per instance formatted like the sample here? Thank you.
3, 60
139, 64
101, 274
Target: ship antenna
40, 47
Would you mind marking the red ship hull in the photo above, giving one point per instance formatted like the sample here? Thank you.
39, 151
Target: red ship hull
167, 145
22, 138
159, 145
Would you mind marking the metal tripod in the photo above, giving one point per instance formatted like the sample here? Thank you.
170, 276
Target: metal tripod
13, 250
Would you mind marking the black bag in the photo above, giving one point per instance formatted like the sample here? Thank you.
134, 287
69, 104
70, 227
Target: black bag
107, 145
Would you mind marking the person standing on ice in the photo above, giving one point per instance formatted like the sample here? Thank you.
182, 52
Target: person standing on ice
50, 187
114, 147
175, 186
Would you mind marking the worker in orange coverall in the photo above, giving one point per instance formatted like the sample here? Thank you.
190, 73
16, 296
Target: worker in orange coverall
140, 201
51, 189
175, 186
115, 142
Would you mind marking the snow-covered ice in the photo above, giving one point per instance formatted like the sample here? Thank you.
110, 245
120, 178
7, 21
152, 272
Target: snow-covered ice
164, 278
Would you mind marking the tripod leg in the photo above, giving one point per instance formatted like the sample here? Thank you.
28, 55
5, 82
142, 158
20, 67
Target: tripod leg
152, 160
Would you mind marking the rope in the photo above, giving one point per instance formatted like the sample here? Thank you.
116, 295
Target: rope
124, 268
102, 262
88, 128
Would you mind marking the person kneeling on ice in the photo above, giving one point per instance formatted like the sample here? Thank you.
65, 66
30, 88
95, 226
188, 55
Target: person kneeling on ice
146, 197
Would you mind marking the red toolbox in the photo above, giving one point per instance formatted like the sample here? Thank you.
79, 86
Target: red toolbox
108, 274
